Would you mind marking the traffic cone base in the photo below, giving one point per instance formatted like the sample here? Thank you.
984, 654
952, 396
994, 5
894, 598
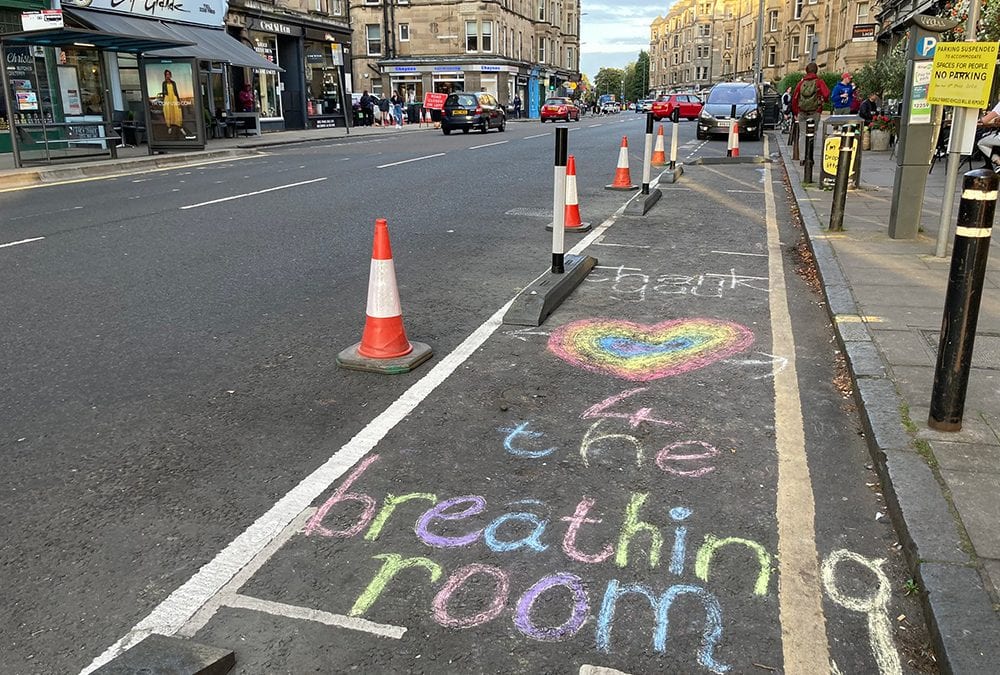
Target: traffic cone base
384, 347
623, 179
659, 157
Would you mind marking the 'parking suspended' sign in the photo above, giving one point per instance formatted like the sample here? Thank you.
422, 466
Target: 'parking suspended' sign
963, 74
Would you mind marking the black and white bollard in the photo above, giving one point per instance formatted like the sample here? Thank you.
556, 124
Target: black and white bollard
559, 200
810, 143
644, 201
674, 170
961, 306
844, 161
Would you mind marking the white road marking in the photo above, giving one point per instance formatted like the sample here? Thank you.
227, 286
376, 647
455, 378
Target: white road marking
538, 135
44, 213
251, 194
23, 241
628, 269
601, 243
488, 145
171, 615
295, 612
749, 192
407, 161
591, 126
760, 255
800, 602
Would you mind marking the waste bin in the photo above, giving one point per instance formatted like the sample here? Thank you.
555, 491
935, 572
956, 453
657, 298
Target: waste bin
772, 110
830, 151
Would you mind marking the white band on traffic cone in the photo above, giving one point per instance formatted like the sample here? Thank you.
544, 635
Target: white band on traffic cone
383, 295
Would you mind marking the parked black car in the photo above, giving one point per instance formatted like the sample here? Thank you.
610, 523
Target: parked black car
472, 110
717, 115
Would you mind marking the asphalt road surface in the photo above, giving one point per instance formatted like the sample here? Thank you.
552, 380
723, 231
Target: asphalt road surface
665, 476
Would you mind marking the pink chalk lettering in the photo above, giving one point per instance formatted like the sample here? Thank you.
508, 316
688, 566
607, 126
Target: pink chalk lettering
634, 419
315, 523
569, 540
665, 456
456, 581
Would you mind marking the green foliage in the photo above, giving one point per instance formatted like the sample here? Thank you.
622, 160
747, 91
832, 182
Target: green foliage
884, 76
609, 81
637, 78
988, 28
790, 80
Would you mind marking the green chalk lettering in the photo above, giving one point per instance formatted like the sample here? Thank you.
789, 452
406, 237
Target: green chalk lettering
393, 565
391, 502
633, 526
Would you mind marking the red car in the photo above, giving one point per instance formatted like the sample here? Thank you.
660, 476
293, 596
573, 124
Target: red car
559, 109
675, 106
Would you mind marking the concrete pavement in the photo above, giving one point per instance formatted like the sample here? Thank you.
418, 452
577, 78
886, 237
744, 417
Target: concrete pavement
886, 300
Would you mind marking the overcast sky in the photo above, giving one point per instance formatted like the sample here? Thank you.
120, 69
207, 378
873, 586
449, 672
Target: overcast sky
614, 31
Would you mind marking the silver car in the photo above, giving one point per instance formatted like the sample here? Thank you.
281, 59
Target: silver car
730, 102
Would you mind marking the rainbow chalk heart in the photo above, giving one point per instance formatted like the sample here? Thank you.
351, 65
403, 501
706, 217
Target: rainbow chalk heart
641, 353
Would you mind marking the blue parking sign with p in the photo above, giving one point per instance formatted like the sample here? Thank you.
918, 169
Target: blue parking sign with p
926, 46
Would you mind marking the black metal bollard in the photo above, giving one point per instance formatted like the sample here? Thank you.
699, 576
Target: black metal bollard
961, 307
844, 162
793, 139
810, 141
559, 201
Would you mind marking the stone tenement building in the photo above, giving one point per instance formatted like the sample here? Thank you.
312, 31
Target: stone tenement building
700, 42
527, 47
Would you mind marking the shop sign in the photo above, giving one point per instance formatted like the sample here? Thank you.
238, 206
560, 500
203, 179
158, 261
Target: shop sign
47, 18
338, 54
490, 69
275, 27
404, 69
202, 12
864, 32
963, 74
315, 57
447, 69
522, 80
324, 123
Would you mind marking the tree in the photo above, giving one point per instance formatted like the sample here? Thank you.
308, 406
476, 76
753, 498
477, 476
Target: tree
609, 81
886, 75
637, 78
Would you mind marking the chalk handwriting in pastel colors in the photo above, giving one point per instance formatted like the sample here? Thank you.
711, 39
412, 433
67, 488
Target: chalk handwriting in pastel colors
642, 353
456, 581
631, 284
512, 446
578, 614
876, 606
713, 544
634, 419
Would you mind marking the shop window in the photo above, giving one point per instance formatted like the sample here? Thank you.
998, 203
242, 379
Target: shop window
373, 34
404, 32
322, 81
266, 85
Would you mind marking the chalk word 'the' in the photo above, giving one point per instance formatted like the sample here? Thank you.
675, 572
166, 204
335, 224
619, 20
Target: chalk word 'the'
630, 284
526, 531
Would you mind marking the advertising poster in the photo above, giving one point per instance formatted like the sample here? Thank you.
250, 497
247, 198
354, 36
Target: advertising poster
69, 85
173, 103
920, 106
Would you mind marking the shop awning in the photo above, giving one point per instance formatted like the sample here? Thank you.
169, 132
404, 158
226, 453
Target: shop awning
113, 42
207, 44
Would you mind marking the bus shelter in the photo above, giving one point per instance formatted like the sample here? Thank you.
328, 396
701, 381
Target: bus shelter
56, 94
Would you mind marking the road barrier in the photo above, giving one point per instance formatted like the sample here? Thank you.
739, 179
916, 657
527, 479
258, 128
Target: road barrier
647, 155
810, 141
844, 161
965, 291
673, 146
559, 200
734, 140
384, 347
623, 178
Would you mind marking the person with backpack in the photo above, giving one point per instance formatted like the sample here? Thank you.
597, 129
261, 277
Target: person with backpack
808, 98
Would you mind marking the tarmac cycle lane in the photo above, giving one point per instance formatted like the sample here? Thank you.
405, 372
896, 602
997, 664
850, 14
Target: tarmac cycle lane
632, 485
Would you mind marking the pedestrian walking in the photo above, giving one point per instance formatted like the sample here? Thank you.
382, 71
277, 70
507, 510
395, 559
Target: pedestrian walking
367, 108
397, 108
808, 98
842, 97
517, 107
383, 109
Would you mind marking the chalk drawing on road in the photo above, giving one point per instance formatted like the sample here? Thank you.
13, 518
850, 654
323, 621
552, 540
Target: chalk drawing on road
633, 285
875, 606
775, 364
641, 352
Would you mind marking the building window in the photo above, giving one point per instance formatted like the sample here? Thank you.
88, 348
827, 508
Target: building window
541, 10
404, 32
772, 56
541, 50
471, 36
373, 33
797, 14
810, 34
862, 12
703, 52
701, 73
705, 30
726, 66
729, 40
677, 40
487, 36
371, 2
773, 20
569, 59
793, 50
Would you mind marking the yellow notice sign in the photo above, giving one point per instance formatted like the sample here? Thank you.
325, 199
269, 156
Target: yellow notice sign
831, 155
963, 74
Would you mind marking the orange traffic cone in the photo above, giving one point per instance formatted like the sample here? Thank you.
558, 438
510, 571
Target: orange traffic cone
623, 179
427, 117
734, 140
573, 221
383, 347
659, 153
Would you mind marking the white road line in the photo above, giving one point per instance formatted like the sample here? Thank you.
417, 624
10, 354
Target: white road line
601, 243
23, 241
538, 135
251, 194
180, 606
628, 269
487, 145
407, 161
761, 255
749, 192
591, 126
295, 612
800, 600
